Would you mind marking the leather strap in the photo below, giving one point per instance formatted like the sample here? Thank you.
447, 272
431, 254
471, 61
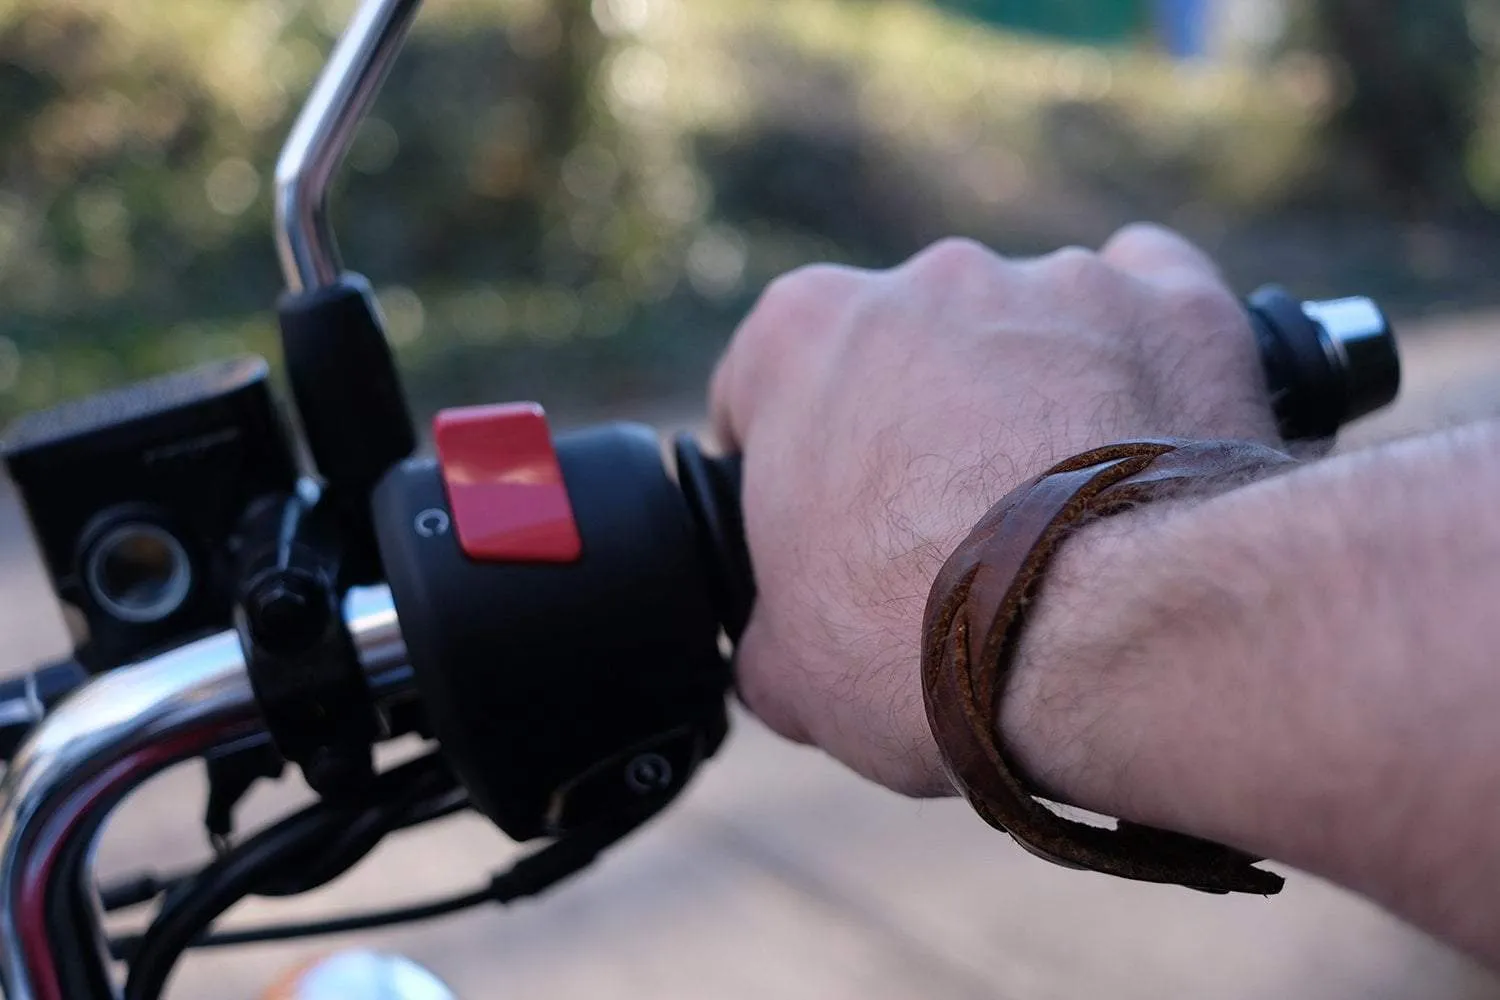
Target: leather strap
975, 615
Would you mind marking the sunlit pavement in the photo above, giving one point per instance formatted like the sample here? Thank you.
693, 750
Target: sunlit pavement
781, 876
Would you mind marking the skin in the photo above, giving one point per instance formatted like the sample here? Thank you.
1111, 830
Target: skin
880, 414
1301, 667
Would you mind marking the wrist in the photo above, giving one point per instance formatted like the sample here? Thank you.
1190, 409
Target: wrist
1127, 652
976, 621
1302, 669
1066, 714
1146, 682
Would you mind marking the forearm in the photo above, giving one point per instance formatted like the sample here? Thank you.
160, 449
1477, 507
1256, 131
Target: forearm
1304, 668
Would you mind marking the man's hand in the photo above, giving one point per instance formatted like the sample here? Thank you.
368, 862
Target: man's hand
1302, 667
882, 413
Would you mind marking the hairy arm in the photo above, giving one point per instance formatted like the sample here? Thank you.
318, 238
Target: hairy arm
1304, 668
1301, 667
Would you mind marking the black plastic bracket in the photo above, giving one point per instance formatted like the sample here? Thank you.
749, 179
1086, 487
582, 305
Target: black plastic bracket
302, 664
349, 397
231, 773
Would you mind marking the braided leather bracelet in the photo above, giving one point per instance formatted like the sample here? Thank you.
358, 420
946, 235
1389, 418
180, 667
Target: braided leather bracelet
974, 619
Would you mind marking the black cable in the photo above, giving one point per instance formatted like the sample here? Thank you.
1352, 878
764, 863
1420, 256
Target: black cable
306, 840
439, 807
530, 875
218, 887
264, 859
429, 777
70, 920
124, 947
136, 890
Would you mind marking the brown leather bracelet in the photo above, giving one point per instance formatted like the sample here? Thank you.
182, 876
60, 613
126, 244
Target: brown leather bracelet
975, 615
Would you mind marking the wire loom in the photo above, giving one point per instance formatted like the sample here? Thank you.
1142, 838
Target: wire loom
316, 846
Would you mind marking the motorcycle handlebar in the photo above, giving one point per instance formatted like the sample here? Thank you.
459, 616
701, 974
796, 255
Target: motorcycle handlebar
92, 749
1325, 364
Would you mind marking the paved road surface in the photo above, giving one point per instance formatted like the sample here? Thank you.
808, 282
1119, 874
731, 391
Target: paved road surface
781, 876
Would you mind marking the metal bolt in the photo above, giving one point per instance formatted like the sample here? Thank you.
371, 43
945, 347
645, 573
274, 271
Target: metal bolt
287, 613
647, 773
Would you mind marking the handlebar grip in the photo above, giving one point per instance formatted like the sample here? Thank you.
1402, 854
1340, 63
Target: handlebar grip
1326, 364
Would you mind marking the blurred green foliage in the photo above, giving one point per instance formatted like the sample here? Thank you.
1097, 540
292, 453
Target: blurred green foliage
576, 200
1414, 72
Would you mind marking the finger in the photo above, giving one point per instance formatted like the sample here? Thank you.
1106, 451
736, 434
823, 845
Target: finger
765, 678
794, 314
1160, 257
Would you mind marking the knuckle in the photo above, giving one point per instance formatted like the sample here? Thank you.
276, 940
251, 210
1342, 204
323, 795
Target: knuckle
795, 308
817, 276
1079, 269
1138, 235
1205, 310
803, 286
956, 255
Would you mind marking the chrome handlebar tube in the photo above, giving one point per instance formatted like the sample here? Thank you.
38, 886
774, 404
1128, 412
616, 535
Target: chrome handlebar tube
107, 739
321, 136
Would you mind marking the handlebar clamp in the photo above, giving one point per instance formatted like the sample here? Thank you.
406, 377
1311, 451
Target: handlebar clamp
303, 668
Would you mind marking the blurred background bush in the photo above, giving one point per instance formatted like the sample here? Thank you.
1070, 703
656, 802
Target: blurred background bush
575, 201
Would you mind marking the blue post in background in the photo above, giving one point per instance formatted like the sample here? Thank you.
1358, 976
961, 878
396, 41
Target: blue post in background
1184, 26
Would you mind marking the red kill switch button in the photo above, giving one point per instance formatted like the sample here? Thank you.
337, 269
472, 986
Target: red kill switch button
504, 484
